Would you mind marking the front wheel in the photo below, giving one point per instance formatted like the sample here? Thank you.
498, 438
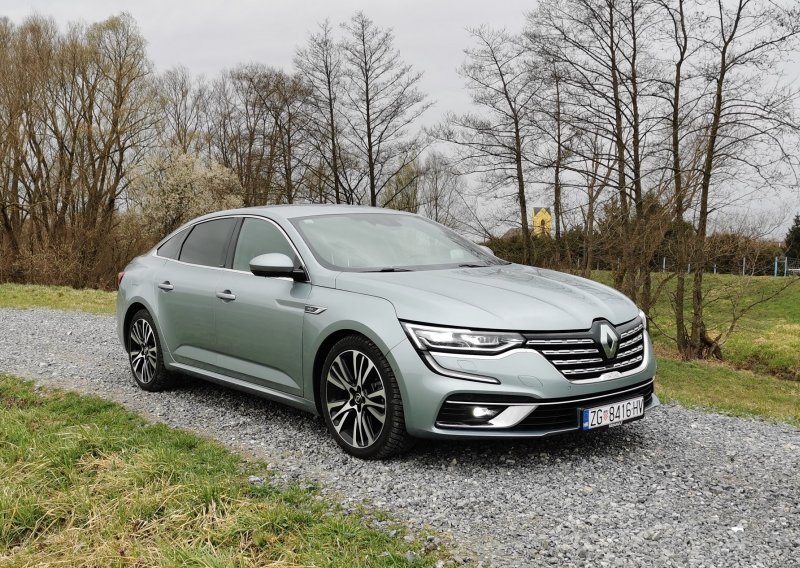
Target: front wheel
361, 401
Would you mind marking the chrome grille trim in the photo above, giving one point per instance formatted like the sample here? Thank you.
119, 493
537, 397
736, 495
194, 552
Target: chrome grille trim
631, 331
576, 361
569, 352
607, 368
578, 357
628, 353
630, 342
559, 342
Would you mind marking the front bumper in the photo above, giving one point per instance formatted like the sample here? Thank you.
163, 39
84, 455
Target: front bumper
536, 399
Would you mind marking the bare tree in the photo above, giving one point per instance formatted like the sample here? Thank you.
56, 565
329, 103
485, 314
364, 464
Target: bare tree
288, 106
498, 140
382, 101
729, 125
79, 119
319, 62
12, 89
182, 102
441, 192
243, 132
605, 86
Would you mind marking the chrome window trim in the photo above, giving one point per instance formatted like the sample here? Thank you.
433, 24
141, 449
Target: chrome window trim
303, 264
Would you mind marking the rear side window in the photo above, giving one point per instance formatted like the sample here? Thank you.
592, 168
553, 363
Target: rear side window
208, 242
259, 237
172, 248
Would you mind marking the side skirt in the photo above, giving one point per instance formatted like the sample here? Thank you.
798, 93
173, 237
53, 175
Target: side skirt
238, 384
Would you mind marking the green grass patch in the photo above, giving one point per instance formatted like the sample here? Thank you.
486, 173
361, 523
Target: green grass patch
720, 388
26, 296
766, 339
87, 483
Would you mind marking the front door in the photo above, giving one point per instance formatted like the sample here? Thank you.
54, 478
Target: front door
259, 324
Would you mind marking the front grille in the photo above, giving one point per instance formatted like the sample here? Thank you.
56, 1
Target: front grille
580, 356
566, 415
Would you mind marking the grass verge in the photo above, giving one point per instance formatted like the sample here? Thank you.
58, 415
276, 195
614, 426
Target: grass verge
26, 296
87, 483
736, 392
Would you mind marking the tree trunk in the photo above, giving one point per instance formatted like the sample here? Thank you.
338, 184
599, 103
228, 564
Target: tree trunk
523, 206
699, 338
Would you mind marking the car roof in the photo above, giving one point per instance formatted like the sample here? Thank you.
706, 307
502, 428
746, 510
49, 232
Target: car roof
305, 210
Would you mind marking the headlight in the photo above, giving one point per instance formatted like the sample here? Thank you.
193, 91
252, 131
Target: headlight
429, 338
643, 317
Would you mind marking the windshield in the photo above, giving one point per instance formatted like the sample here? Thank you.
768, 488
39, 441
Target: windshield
373, 242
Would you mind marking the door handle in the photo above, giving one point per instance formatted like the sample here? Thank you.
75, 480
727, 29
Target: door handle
166, 286
226, 295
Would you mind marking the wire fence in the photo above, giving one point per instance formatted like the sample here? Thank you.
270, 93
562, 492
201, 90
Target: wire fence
791, 267
779, 266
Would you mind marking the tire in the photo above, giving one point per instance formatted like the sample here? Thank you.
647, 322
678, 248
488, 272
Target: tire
361, 402
144, 354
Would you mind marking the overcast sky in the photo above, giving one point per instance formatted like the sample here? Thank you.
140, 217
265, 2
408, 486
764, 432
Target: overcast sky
208, 36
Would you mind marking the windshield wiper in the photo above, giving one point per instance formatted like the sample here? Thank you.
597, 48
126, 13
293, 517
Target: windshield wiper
468, 265
388, 269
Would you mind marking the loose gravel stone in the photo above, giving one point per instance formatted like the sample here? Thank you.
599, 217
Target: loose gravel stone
679, 488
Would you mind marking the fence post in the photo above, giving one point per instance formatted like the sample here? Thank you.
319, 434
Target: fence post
715, 268
664, 264
785, 265
776, 266
744, 262
689, 270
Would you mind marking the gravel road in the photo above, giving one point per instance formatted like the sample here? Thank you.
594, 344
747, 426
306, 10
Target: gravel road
679, 488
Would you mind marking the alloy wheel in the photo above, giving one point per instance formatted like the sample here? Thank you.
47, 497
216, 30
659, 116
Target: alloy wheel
356, 399
143, 351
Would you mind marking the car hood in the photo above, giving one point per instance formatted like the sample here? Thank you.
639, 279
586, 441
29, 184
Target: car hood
510, 297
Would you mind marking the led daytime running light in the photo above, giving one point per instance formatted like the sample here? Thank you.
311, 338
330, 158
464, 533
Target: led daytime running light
430, 338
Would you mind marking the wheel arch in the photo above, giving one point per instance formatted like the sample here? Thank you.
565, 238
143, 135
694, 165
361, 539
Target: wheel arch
322, 353
126, 323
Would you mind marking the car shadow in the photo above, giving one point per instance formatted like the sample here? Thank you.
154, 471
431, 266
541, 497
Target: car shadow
277, 417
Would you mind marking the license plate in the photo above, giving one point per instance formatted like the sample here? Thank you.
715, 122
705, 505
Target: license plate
612, 414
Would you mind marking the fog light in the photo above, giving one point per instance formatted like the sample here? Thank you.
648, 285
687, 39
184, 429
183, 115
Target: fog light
483, 412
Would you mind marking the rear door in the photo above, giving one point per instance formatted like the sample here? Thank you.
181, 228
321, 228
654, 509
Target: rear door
260, 325
186, 292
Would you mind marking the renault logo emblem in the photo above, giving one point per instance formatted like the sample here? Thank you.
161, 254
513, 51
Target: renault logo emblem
609, 340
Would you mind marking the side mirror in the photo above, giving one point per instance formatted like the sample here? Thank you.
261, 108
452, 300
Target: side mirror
486, 249
276, 264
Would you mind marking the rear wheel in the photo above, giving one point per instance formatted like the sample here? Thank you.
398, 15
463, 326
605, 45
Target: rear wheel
361, 401
144, 354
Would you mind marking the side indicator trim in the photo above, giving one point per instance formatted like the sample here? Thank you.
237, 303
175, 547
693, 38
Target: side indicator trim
314, 310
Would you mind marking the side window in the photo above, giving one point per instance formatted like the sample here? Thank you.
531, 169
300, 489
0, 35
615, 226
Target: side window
208, 242
172, 248
259, 237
